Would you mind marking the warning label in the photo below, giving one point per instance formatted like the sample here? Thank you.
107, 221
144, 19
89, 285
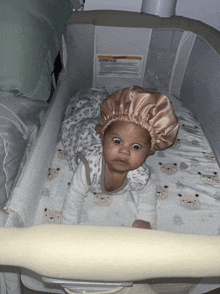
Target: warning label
119, 66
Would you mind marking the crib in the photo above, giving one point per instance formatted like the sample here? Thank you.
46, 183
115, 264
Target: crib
110, 49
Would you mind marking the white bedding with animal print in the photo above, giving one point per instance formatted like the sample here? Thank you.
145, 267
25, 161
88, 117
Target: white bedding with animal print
187, 178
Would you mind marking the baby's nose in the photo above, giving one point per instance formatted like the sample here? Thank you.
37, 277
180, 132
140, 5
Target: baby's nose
124, 150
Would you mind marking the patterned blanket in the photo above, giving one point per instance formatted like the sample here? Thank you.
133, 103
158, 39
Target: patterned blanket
187, 177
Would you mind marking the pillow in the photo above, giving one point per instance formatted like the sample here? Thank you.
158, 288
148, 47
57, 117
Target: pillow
30, 40
19, 124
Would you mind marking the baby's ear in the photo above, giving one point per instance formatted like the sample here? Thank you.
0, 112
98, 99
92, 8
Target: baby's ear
151, 151
102, 136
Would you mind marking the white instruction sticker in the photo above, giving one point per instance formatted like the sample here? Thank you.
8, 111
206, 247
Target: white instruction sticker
119, 66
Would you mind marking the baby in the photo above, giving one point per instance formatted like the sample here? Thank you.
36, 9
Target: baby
108, 154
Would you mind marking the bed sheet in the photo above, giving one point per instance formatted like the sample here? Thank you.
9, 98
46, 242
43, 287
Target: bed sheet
187, 178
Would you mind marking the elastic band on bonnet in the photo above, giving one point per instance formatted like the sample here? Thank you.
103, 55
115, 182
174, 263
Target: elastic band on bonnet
151, 111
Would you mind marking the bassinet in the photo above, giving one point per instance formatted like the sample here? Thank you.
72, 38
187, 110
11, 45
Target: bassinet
177, 56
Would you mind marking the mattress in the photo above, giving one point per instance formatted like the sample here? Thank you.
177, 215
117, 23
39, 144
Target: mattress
187, 178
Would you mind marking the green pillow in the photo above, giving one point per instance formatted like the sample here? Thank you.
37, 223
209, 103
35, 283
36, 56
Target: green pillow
29, 43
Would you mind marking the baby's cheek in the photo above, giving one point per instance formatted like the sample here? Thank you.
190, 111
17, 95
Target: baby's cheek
138, 158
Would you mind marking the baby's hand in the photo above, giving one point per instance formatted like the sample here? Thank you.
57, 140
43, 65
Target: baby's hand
141, 224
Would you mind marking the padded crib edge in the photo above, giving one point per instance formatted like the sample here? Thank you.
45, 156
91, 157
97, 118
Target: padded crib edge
109, 253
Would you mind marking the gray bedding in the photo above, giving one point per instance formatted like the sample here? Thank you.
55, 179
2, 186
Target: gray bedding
19, 124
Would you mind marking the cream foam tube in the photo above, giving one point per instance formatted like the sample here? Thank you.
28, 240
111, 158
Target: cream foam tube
109, 253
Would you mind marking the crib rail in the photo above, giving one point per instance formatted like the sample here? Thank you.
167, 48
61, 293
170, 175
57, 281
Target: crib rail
116, 254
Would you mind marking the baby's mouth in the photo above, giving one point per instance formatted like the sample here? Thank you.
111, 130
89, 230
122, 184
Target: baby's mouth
122, 162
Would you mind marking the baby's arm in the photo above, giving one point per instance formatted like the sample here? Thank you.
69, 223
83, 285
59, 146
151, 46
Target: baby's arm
146, 206
72, 206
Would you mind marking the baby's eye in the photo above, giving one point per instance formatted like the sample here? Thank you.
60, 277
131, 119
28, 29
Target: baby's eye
117, 140
136, 146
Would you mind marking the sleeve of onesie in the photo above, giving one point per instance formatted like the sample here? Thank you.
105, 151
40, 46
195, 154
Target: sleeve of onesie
72, 206
147, 202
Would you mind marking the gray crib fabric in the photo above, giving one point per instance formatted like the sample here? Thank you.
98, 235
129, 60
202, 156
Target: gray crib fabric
9, 280
19, 124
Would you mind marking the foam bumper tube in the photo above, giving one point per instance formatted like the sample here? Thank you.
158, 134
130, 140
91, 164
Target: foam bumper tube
109, 253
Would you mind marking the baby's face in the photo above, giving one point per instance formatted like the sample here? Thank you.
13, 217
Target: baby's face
125, 146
